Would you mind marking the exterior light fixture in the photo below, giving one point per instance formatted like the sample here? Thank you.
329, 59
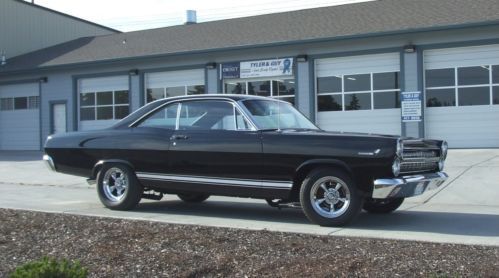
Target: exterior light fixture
410, 48
301, 58
133, 72
43, 79
211, 65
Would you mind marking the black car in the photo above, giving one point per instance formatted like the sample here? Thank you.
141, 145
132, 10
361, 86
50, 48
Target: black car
247, 146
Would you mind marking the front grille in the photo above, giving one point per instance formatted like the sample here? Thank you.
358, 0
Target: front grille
418, 160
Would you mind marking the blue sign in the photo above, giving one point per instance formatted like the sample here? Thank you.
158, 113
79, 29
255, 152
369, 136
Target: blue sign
411, 106
231, 70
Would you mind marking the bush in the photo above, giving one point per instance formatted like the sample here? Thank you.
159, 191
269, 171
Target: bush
50, 268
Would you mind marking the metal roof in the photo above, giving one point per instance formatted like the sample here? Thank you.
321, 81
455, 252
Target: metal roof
319, 24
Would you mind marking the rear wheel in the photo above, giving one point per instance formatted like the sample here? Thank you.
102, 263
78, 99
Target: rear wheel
118, 187
382, 205
329, 197
193, 198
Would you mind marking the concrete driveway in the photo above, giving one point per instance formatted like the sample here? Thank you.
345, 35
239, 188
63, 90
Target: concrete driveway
464, 210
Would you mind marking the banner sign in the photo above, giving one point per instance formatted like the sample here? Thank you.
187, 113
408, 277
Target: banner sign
260, 68
411, 106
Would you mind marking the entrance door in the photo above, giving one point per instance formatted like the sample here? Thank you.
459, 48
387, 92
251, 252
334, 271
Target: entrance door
59, 118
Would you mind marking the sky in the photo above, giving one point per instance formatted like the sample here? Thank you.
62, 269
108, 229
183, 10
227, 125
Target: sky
146, 14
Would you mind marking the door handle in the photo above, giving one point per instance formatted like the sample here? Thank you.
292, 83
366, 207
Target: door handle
179, 137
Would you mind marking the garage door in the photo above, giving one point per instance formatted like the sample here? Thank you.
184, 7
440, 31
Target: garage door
462, 96
102, 101
174, 83
359, 93
19, 117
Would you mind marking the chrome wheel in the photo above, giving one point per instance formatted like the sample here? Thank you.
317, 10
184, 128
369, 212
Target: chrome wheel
115, 184
330, 197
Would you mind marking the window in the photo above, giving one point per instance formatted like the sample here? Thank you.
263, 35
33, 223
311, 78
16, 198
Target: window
461, 86
495, 95
153, 94
165, 117
105, 105
207, 115
368, 91
283, 89
19, 103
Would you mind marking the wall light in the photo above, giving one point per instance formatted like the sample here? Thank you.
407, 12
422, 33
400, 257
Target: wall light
133, 72
410, 48
301, 58
43, 79
211, 65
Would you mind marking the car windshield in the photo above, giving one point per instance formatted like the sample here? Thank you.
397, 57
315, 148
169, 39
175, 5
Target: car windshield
273, 115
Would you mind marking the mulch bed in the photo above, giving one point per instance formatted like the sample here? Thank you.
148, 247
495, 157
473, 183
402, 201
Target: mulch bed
124, 248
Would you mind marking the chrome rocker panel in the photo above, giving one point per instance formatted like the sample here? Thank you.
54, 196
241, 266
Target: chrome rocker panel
407, 186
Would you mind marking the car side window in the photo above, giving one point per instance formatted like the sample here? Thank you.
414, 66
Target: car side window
165, 117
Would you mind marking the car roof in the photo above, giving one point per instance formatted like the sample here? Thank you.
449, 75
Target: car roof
211, 96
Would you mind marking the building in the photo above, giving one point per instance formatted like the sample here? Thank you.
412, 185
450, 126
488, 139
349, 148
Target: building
348, 68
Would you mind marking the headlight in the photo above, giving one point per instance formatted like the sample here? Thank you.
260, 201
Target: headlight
396, 167
444, 148
400, 148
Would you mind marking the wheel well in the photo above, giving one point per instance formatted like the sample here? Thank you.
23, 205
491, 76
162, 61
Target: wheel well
98, 166
303, 171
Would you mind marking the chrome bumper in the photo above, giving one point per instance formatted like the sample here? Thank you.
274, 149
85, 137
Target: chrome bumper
49, 162
407, 186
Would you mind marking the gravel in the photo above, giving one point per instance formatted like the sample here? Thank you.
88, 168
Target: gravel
124, 248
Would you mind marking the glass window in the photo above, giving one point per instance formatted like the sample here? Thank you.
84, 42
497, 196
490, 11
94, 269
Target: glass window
120, 111
495, 74
473, 75
241, 122
175, 91
259, 88
195, 90
206, 115
34, 102
385, 81
87, 99
357, 82
440, 77
330, 84
6, 104
287, 99
165, 117
358, 101
283, 87
155, 94
474, 96
20, 103
121, 97
495, 95
440, 97
105, 113
104, 98
330, 103
386, 100
87, 114
235, 88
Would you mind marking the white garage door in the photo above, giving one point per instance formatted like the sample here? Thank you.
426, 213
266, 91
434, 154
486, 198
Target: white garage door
102, 101
462, 96
19, 117
359, 93
174, 83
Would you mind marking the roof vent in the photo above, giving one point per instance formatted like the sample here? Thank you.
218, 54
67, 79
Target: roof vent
3, 59
190, 17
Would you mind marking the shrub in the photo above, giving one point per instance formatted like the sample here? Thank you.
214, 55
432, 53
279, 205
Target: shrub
50, 268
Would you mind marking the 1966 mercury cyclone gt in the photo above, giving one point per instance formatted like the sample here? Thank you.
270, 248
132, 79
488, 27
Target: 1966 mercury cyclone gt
247, 146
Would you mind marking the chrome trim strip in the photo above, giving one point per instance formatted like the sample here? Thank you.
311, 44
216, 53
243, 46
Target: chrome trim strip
407, 186
215, 180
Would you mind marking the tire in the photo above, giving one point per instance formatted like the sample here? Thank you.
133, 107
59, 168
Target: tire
193, 198
382, 205
125, 196
339, 206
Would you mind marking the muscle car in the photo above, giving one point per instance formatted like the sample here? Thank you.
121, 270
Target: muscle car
247, 146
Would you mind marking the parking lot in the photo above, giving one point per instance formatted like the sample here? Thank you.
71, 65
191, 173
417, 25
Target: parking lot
464, 210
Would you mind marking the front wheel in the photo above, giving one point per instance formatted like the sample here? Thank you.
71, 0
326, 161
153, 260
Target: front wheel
329, 197
382, 205
118, 187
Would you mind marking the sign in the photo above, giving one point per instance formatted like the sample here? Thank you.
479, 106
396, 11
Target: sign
259, 68
411, 107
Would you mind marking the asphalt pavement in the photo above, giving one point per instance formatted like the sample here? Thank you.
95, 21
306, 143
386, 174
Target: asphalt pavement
464, 210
